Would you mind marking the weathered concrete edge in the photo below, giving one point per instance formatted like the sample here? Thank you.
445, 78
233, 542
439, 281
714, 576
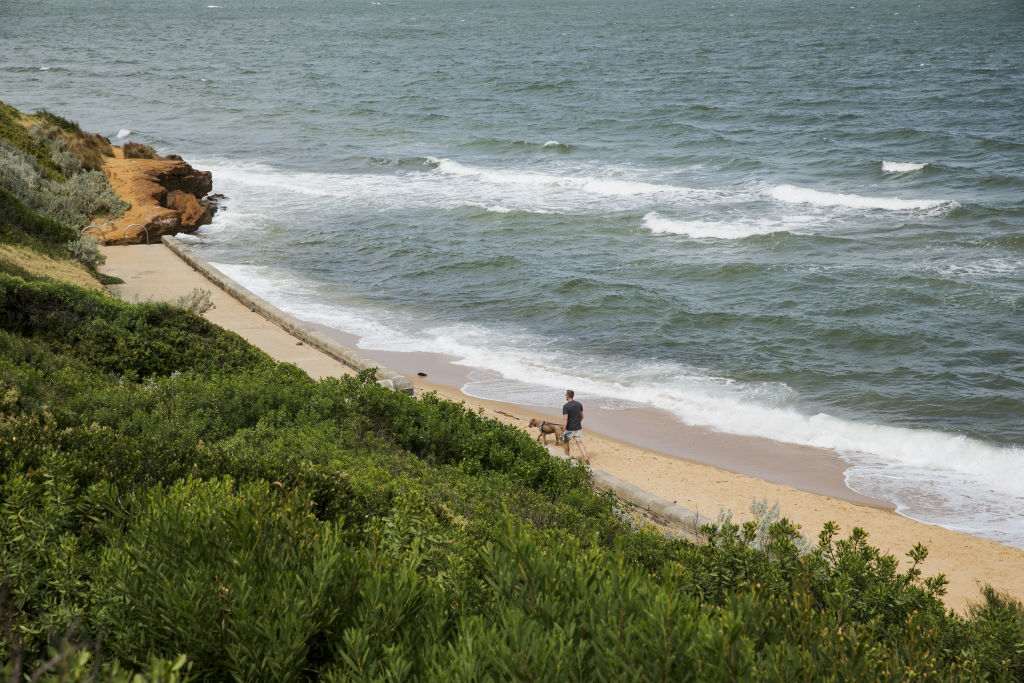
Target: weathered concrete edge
685, 519
290, 324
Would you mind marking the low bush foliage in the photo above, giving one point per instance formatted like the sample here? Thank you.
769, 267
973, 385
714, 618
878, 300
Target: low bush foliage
14, 133
86, 251
66, 136
246, 580
54, 169
73, 202
137, 150
20, 225
19, 172
197, 300
176, 504
136, 341
79, 199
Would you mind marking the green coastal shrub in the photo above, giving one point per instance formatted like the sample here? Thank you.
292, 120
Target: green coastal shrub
17, 135
206, 502
76, 662
135, 340
995, 640
20, 225
246, 580
197, 300
86, 251
49, 543
57, 174
566, 612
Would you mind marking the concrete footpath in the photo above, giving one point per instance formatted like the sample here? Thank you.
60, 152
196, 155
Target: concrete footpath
152, 272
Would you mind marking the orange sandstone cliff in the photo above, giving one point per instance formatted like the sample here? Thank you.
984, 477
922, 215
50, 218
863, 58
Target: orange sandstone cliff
167, 197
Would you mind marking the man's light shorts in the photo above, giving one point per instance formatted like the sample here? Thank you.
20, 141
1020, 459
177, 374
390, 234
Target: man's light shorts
576, 435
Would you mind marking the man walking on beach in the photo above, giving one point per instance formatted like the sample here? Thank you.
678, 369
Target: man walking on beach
572, 424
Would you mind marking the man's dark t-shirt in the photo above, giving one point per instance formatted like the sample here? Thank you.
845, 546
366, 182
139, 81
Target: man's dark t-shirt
574, 409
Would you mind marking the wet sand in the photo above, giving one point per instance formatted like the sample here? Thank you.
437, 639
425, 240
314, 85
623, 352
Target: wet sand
808, 469
713, 473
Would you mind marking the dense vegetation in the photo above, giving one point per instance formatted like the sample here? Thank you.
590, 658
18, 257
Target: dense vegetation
51, 186
176, 504
169, 490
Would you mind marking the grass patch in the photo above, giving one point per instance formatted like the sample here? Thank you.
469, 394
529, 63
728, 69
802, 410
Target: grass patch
29, 264
89, 148
137, 150
106, 279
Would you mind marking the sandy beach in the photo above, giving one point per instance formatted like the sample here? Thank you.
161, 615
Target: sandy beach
698, 469
967, 561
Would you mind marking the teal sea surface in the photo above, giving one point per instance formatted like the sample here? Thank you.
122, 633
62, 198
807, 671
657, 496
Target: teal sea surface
803, 221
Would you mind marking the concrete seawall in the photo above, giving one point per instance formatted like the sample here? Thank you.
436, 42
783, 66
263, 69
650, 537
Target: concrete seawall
680, 519
683, 520
290, 324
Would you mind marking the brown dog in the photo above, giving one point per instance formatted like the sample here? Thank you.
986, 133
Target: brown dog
545, 429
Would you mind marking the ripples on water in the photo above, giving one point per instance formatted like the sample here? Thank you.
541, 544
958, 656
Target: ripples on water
801, 222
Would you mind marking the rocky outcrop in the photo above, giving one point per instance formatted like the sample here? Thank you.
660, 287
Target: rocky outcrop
167, 195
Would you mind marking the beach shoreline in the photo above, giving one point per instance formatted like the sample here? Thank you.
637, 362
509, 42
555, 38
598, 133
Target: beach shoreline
710, 490
806, 483
805, 468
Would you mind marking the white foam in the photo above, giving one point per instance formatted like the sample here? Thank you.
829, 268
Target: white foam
932, 476
943, 496
299, 298
233, 223
262, 177
123, 133
494, 208
731, 230
901, 166
982, 269
498, 208
792, 194
449, 184
604, 186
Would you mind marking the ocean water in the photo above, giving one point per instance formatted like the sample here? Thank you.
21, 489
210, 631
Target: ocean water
796, 220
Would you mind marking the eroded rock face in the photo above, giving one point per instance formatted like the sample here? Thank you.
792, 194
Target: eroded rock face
167, 197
